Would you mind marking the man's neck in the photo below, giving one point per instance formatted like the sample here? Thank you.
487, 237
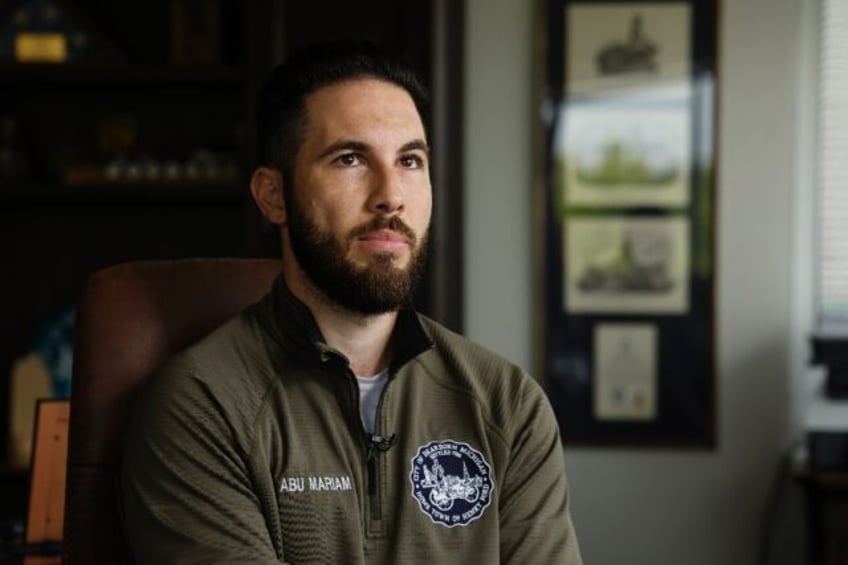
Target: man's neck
364, 339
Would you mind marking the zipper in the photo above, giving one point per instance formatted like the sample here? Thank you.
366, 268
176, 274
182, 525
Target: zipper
375, 445
371, 453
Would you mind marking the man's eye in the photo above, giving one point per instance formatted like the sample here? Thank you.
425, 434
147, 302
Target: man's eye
348, 159
412, 161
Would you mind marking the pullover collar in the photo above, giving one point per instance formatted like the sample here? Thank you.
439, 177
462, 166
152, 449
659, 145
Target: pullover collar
291, 321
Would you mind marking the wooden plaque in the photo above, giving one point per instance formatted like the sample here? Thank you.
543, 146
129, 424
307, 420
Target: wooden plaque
45, 522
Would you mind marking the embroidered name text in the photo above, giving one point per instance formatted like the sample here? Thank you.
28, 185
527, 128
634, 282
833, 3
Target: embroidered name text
329, 483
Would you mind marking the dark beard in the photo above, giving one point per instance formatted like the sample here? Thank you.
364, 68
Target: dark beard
376, 289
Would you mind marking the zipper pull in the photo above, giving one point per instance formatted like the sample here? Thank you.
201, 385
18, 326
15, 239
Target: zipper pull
378, 444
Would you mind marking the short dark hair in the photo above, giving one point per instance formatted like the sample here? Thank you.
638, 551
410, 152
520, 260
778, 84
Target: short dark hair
281, 107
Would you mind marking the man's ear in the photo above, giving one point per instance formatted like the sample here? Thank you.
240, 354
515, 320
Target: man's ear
266, 185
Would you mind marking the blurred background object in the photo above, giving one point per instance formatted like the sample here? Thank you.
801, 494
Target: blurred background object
195, 32
14, 163
44, 372
53, 31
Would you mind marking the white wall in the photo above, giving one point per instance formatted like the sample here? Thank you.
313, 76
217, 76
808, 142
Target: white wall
656, 507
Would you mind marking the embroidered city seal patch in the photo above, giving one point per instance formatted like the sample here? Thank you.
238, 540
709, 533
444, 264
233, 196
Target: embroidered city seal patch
452, 482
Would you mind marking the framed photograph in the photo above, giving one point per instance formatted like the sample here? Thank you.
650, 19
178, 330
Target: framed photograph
625, 151
622, 264
625, 209
616, 48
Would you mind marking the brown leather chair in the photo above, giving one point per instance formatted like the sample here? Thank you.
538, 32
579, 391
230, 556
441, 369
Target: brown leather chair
131, 317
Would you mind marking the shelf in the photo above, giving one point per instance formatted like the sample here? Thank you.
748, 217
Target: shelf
69, 74
174, 192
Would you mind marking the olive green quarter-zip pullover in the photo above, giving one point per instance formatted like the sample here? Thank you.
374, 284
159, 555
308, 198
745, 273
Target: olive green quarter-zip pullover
249, 448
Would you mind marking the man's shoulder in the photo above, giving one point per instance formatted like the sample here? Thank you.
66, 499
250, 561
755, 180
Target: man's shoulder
449, 341
469, 367
228, 367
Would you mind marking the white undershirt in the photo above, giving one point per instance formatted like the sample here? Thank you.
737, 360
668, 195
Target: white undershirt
370, 389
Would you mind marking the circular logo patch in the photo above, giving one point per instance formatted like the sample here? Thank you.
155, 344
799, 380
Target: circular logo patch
452, 482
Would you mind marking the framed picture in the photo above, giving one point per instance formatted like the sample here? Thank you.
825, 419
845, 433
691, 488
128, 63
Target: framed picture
625, 209
626, 264
628, 153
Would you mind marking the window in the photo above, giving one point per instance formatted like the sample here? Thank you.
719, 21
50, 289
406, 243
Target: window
832, 162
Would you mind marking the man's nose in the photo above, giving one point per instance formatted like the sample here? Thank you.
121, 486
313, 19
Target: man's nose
387, 192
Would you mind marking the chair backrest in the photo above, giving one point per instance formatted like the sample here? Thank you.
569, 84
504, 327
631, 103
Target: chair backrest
131, 318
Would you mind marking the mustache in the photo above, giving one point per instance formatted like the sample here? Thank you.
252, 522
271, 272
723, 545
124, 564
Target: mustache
393, 223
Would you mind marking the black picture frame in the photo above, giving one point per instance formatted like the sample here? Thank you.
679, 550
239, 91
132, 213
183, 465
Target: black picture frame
625, 208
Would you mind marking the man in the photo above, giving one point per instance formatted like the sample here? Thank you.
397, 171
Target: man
330, 423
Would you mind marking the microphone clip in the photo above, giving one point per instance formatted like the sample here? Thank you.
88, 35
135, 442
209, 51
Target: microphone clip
379, 444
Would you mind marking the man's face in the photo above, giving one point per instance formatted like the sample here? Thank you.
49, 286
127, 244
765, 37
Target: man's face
359, 210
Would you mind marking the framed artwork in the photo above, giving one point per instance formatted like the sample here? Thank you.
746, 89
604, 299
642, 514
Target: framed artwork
625, 209
624, 264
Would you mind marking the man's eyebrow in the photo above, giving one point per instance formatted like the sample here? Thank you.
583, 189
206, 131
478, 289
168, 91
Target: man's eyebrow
416, 145
362, 147
344, 145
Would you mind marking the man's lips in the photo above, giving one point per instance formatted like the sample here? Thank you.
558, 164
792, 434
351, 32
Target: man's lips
390, 236
383, 240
